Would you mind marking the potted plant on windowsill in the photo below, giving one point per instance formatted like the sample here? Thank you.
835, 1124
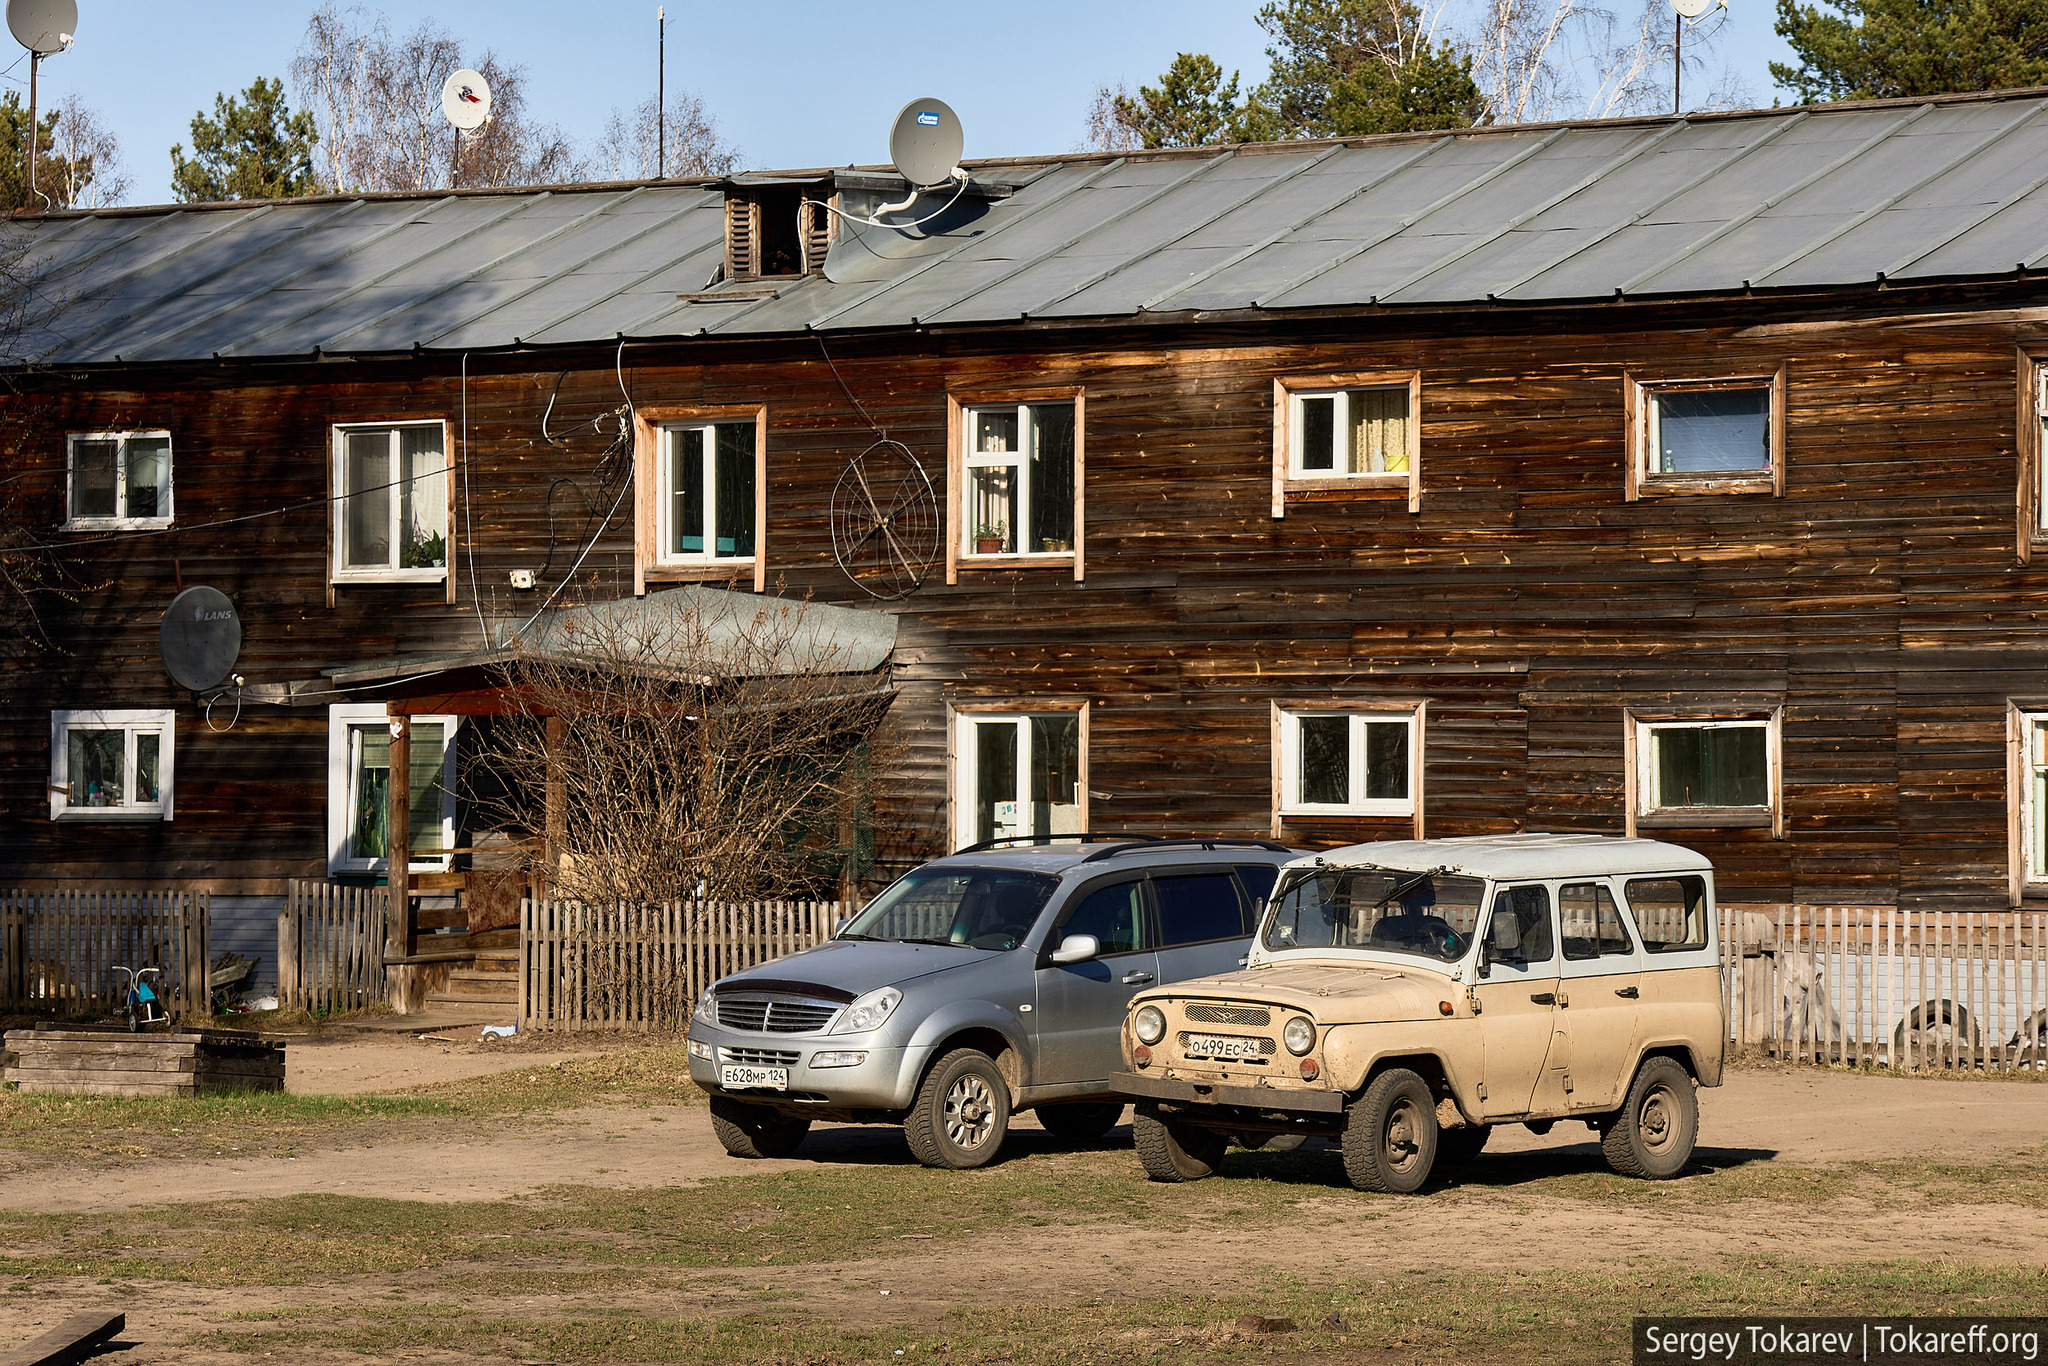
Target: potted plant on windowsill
989, 538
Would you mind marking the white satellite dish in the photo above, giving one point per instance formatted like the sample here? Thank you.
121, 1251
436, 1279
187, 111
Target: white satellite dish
43, 26
926, 143
1691, 9
466, 100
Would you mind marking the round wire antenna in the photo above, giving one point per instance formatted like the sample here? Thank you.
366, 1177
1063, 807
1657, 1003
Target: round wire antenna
1691, 9
42, 26
885, 521
201, 638
466, 99
926, 142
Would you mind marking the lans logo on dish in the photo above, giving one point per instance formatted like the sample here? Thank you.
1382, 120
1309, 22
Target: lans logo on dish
926, 119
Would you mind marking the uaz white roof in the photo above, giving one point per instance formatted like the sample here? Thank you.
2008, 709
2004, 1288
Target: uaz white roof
1518, 856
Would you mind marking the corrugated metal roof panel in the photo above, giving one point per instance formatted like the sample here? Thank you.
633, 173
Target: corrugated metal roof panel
1936, 189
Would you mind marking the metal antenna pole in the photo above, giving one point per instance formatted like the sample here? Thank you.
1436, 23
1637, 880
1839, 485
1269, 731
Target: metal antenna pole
35, 65
1677, 57
661, 92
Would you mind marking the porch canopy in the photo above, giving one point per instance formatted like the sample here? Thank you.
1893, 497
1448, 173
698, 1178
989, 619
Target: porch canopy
693, 632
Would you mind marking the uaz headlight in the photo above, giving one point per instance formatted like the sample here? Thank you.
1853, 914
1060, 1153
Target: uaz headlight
868, 1011
1150, 1024
1299, 1035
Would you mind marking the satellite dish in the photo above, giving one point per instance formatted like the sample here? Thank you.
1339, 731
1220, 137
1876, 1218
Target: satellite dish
1691, 9
43, 26
926, 142
885, 521
466, 99
202, 638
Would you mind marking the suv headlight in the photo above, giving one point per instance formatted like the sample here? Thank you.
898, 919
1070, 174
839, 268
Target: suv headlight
1150, 1024
704, 1010
868, 1011
1299, 1035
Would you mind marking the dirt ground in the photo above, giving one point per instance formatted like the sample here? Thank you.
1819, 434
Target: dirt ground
1503, 1215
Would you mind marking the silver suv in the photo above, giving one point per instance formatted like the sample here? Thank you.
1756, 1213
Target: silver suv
991, 981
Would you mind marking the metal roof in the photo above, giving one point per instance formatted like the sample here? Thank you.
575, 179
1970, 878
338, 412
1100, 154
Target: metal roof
1949, 188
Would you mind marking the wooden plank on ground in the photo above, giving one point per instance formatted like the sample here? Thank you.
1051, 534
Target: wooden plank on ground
72, 1340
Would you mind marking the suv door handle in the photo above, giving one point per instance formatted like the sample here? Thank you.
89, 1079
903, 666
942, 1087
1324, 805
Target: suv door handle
1629, 992
1543, 998
1136, 979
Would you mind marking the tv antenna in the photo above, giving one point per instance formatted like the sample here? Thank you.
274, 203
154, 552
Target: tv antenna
44, 27
201, 638
466, 100
1682, 10
885, 521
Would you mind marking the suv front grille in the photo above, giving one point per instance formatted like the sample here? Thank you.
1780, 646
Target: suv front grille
757, 1057
1230, 1015
760, 1016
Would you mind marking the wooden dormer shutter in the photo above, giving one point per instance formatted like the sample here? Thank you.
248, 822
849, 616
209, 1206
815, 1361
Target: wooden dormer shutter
820, 229
742, 238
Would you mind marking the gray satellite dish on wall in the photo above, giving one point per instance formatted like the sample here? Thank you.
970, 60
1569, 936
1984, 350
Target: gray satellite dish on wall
202, 639
926, 142
42, 26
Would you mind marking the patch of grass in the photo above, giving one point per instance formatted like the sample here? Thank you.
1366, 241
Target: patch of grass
1487, 1317
655, 1075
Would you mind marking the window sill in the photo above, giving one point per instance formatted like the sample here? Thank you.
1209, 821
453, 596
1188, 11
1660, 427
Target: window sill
1051, 559
1401, 811
1678, 486
1706, 818
117, 524
393, 576
1342, 483
701, 569
378, 875
110, 815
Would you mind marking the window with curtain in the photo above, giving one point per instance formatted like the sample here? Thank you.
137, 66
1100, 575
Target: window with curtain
359, 788
1019, 479
391, 520
1349, 431
706, 506
111, 765
119, 479
1018, 774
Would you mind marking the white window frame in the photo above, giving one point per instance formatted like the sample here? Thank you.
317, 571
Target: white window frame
965, 755
341, 716
338, 543
1340, 422
120, 521
2027, 734
1645, 480
1019, 463
1641, 761
160, 721
1287, 724
664, 499
1290, 480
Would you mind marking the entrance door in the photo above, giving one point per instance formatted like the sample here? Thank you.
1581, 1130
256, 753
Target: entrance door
1600, 985
1081, 1006
1517, 999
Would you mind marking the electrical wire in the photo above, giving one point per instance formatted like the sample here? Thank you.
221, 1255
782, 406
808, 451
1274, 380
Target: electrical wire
208, 714
958, 190
476, 599
877, 428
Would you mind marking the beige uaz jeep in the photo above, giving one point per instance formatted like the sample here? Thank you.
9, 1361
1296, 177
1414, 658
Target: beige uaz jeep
1374, 1008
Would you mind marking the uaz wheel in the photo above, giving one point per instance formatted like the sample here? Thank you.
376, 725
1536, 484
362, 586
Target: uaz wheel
1653, 1135
1171, 1150
1390, 1134
745, 1130
961, 1113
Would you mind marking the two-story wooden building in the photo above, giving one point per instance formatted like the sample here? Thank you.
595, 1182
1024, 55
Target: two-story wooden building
1673, 474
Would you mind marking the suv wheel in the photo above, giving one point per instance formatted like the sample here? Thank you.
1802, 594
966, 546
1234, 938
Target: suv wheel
961, 1113
1390, 1134
1080, 1123
755, 1130
1172, 1151
1653, 1135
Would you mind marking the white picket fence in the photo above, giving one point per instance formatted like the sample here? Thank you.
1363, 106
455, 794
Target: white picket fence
1880, 986
58, 949
642, 967
330, 946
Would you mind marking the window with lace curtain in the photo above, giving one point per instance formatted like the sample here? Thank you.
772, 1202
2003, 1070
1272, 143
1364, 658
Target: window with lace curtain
1340, 435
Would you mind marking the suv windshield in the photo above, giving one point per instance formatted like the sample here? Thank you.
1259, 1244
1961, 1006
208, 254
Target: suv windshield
1427, 914
982, 908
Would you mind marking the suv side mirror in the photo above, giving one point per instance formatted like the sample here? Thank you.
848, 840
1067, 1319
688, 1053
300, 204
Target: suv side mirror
1076, 948
839, 927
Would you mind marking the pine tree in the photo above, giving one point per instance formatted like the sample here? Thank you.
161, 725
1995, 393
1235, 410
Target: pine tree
53, 177
252, 148
1191, 107
1886, 49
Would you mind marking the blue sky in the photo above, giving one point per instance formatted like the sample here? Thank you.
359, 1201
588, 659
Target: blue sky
793, 82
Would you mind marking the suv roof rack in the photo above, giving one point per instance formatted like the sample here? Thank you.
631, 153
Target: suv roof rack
1084, 837
1211, 844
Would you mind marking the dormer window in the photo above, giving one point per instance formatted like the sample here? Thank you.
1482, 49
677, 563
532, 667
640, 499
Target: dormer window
776, 231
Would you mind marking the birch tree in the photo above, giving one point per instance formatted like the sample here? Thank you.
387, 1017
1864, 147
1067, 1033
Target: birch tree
633, 145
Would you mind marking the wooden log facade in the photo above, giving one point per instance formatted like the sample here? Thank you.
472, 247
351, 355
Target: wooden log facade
1881, 605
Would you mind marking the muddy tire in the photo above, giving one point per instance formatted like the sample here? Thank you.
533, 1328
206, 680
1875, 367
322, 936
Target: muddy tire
962, 1112
1172, 1151
1080, 1123
1652, 1136
1390, 1134
755, 1130
1458, 1147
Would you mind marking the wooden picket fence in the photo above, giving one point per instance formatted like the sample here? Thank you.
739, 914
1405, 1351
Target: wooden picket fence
1879, 986
59, 949
330, 946
643, 967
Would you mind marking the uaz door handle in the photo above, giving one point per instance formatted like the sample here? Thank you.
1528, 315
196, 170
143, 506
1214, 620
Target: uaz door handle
1543, 998
1629, 992
1136, 979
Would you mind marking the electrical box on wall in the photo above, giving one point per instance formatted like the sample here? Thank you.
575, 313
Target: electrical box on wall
522, 578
